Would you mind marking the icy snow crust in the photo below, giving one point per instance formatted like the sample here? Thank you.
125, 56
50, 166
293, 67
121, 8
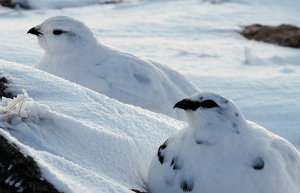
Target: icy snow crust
87, 142
222, 152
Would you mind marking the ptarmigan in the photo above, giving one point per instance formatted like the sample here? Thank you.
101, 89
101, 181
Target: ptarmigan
72, 52
221, 152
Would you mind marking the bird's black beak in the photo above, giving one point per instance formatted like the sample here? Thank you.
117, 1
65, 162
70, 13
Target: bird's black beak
34, 31
187, 104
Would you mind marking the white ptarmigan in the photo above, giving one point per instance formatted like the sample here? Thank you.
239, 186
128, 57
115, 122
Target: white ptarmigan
221, 152
73, 53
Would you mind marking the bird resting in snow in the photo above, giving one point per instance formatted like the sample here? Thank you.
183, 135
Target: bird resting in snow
221, 152
73, 53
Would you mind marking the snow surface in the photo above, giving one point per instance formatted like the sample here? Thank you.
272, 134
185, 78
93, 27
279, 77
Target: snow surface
220, 151
202, 43
76, 55
58, 4
86, 142
197, 39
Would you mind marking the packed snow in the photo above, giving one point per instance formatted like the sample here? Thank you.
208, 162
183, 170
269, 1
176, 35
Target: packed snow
222, 152
86, 142
198, 39
73, 53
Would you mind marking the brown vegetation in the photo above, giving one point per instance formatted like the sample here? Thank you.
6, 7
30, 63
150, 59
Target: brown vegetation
283, 35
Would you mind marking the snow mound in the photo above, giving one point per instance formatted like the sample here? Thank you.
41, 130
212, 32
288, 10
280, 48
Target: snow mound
220, 151
82, 140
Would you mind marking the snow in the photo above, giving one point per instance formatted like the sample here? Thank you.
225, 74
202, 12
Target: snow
96, 146
201, 43
74, 54
59, 4
219, 143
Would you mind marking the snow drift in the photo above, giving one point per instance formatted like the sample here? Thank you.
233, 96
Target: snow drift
82, 140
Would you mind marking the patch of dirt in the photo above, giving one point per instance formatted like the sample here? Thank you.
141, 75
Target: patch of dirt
283, 35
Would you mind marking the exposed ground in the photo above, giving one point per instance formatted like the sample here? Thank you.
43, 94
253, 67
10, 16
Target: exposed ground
282, 35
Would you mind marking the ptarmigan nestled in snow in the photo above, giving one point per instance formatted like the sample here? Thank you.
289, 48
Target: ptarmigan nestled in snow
221, 152
72, 52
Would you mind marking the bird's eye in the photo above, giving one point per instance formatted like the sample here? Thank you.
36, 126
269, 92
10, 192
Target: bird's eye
208, 104
58, 31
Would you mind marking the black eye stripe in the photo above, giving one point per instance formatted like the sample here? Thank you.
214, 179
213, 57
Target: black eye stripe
188, 104
58, 31
208, 104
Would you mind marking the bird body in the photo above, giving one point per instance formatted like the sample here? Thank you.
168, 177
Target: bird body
76, 55
220, 151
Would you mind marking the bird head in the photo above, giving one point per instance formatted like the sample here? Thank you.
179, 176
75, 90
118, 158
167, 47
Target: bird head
61, 34
209, 108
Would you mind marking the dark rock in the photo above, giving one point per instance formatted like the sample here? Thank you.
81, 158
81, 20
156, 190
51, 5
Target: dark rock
3, 88
11, 4
6, 3
283, 35
25, 5
19, 173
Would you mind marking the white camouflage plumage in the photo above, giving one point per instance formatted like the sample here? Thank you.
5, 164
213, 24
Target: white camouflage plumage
221, 152
72, 52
